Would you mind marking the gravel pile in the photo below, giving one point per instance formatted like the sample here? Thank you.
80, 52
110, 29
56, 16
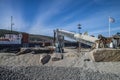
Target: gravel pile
8, 74
53, 73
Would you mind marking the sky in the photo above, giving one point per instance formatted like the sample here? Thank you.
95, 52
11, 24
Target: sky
44, 16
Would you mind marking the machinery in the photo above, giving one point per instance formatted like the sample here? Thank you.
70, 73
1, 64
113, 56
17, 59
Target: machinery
59, 35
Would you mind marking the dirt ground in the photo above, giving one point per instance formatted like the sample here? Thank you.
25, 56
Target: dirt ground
71, 58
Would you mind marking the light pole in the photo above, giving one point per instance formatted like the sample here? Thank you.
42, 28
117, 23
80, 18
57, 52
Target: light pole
79, 27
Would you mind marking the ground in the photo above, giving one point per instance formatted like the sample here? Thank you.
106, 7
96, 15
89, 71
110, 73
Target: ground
72, 61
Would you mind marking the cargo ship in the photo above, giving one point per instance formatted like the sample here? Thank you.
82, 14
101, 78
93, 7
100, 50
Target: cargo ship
11, 41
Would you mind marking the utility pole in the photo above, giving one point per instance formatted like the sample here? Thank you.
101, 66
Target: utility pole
54, 39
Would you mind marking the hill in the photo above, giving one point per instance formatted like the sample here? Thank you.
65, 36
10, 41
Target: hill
4, 31
32, 37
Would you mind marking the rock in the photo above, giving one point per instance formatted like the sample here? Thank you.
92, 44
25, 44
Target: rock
35, 50
45, 59
86, 59
24, 51
56, 59
105, 55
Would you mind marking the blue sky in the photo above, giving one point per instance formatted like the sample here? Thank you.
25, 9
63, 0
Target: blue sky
43, 16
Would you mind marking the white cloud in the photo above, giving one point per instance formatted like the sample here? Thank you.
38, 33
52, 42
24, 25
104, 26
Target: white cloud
5, 18
105, 30
95, 24
39, 24
19, 23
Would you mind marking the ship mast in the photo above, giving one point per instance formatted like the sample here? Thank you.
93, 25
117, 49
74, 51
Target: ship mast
12, 23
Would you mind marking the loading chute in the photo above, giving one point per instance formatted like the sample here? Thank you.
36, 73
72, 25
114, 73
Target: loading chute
83, 38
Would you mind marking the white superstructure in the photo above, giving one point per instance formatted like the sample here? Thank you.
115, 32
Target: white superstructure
11, 39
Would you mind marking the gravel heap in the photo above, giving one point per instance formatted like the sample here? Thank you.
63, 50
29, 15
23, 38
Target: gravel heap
53, 73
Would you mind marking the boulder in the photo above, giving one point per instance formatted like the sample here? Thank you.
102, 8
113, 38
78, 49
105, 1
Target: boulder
105, 55
45, 59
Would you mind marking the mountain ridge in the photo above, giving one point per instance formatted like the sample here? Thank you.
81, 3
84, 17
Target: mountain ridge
32, 37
